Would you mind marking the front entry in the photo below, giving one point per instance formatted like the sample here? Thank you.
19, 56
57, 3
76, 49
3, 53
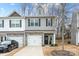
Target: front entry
48, 38
34, 40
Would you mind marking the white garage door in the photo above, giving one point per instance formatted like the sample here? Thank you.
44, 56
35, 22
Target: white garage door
19, 39
34, 40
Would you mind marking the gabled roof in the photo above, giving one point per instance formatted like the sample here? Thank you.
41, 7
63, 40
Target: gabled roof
14, 14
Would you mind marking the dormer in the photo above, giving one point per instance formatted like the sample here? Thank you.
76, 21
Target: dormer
40, 11
14, 14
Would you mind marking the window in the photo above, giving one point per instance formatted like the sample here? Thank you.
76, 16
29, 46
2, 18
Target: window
15, 23
5, 38
33, 22
48, 22
39, 21
1, 23
28, 22
36, 22
1, 38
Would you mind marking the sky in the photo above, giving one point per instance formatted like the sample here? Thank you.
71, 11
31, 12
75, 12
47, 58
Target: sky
7, 8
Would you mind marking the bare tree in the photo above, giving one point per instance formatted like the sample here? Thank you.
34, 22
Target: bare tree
23, 9
63, 17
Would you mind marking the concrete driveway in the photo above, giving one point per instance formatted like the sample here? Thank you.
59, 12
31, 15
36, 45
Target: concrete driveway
30, 51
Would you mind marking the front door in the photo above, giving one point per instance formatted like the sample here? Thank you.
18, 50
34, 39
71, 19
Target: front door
48, 39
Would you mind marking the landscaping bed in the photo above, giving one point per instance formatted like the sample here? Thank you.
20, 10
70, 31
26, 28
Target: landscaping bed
68, 47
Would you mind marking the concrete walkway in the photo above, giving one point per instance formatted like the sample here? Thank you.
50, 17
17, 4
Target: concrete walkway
30, 51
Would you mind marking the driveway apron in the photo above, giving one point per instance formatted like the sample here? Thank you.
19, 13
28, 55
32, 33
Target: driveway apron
30, 51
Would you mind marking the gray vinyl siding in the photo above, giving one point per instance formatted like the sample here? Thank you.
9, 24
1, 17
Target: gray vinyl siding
42, 25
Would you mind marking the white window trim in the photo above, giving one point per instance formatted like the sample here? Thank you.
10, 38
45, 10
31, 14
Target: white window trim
15, 23
34, 21
1, 23
49, 19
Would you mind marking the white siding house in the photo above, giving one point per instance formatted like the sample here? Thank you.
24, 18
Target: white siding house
12, 28
30, 31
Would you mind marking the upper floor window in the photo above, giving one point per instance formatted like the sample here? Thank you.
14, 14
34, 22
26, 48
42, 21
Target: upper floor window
1, 23
15, 23
40, 11
33, 22
48, 22
37, 22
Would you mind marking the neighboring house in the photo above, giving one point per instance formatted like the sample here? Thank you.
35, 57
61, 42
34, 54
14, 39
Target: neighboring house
75, 28
30, 30
12, 27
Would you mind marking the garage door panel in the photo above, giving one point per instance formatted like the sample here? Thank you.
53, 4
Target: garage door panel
19, 39
34, 40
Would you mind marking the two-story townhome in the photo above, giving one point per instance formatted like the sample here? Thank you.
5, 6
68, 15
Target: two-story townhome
75, 28
40, 30
29, 30
12, 27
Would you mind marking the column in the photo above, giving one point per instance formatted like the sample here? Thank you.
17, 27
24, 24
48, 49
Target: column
49, 39
3, 38
0, 38
24, 39
54, 38
43, 40
6, 36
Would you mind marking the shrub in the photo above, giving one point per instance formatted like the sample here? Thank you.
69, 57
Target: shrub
54, 44
69, 42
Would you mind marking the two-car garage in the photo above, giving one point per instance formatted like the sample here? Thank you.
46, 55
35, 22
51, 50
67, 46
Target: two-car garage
29, 39
32, 40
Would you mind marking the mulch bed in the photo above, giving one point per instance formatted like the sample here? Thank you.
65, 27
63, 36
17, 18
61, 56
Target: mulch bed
62, 53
